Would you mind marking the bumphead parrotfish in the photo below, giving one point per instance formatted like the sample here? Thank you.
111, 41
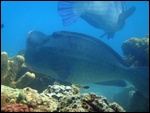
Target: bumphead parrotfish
109, 16
80, 59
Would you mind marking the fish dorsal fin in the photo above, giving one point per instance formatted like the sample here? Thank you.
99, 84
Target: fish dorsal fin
123, 16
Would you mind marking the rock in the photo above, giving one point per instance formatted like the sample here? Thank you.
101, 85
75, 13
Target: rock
8, 95
59, 102
136, 51
68, 88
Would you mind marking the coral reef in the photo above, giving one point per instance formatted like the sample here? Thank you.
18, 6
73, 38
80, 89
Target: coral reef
138, 103
8, 95
60, 98
29, 96
48, 99
9, 71
136, 51
87, 103
127, 95
16, 108
4, 98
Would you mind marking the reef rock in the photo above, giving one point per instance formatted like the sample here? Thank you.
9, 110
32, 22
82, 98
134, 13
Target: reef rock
89, 102
60, 98
8, 95
136, 51
138, 103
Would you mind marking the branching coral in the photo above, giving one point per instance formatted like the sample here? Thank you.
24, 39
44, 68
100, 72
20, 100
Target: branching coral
10, 69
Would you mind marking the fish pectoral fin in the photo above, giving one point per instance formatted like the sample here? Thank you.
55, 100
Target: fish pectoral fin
92, 19
66, 11
123, 16
109, 35
63, 72
103, 35
120, 83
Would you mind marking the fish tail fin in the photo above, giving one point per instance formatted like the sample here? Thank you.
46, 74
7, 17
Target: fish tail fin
66, 11
140, 79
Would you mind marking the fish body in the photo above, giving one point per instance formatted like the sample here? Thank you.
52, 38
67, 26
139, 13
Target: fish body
109, 16
80, 59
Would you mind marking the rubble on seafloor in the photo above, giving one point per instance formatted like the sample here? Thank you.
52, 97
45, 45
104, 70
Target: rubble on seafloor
136, 51
58, 98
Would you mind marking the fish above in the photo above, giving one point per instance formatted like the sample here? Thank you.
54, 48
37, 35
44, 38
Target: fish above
110, 16
80, 59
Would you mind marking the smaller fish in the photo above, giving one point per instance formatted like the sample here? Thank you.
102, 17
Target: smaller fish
110, 16
86, 87
82, 87
2, 25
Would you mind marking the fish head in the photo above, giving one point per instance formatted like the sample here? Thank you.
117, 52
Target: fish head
35, 38
111, 30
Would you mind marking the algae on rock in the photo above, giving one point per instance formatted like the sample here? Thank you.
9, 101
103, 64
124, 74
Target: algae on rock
136, 51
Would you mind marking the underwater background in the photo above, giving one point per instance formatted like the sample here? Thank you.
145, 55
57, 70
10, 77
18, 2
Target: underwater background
21, 17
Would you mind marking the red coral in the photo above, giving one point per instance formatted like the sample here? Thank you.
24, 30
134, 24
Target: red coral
16, 108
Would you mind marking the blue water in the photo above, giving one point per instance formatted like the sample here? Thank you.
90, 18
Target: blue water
21, 17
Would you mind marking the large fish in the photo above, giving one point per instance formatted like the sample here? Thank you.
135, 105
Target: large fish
79, 59
109, 16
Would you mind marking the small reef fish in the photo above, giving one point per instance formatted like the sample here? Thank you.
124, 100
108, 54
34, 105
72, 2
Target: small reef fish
2, 25
109, 16
86, 87
82, 86
88, 60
